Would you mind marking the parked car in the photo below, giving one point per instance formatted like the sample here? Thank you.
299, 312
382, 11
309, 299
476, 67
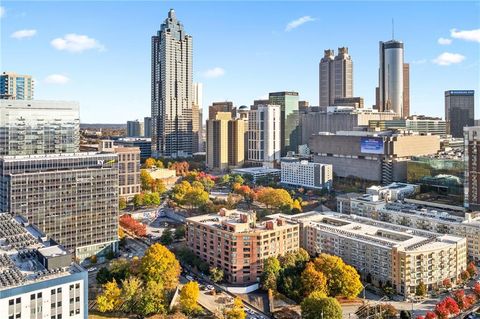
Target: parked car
92, 269
189, 278
209, 287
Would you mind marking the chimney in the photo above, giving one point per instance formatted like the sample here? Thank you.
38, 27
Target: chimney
269, 225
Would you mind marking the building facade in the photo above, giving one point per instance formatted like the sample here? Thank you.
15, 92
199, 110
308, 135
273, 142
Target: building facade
16, 87
147, 127
38, 278
472, 167
135, 128
264, 135
300, 173
459, 110
419, 124
336, 76
236, 243
39, 127
71, 197
289, 120
198, 101
143, 143
172, 96
393, 82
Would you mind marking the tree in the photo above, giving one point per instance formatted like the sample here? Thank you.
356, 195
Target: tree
389, 311
313, 280
103, 276
152, 299
131, 292
179, 232
451, 306
238, 179
110, 298
476, 289
317, 303
430, 315
146, 180
441, 310
138, 200
447, 283
150, 162
465, 275
224, 180
271, 269
296, 207
166, 238
122, 203
216, 274
188, 298
160, 265
421, 289
275, 198
236, 312
405, 314
472, 269
179, 191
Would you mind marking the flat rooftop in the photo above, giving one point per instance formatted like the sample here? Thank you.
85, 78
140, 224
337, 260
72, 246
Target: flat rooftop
12, 158
20, 244
253, 170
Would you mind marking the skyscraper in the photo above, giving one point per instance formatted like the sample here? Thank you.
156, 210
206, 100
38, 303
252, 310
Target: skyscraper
172, 96
472, 167
336, 76
147, 126
135, 128
16, 87
289, 129
393, 79
39, 127
264, 135
198, 101
459, 110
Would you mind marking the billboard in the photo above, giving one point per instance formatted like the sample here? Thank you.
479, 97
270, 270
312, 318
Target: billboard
371, 145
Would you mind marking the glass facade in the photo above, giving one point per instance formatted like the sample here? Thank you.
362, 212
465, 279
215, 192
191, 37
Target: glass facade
39, 127
16, 87
445, 176
290, 133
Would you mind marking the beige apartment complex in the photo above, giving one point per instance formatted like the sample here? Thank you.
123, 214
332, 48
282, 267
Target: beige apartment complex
384, 252
225, 141
233, 241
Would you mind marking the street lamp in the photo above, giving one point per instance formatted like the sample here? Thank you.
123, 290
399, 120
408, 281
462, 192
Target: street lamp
364, 287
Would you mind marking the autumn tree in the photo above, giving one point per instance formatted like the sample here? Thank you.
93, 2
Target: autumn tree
271, 269
109, 299
150, 162
421, 289
122, 203
237, 311
441, 310
152, 300
430, 315
160, 265
465, 275
447, 283
296, 207
216, 274
476, 289
313, 280
274, 198
131, 292
318, 305
188, 298
451, 306
472, 269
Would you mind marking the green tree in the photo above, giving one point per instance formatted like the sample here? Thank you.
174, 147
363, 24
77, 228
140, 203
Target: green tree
238, 179
131, 292
138, 200
237, 311
109, 299
271, 269
224, 180
318, 305
166, 238
104, 276
188, 298
160, 265
216, 274
152, 300
122, 203
179, 232
421, 289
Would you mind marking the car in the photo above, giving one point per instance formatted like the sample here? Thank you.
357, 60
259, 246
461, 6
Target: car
189, 278
92, 269
209, 287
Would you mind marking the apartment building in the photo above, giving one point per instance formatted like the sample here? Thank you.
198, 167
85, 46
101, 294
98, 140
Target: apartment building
71, 197
38, 278
386, 253
15, 86
235, 242
302, 173
472, 167
264, 135
418, 216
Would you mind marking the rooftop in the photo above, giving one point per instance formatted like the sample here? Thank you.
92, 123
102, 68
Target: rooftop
253, 170
21, 246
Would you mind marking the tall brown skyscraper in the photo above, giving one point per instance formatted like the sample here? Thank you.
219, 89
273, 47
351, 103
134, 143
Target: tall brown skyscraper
406, 90
336, 76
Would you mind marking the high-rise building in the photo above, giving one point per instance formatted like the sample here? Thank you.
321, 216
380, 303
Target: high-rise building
472, 167
147, 127
302, 173
225, 141
198, 101
264, 147
236, 243
135, 128
39, 127
393, 79
459, 110
16, 87
356, 102
143, 143
71, 197
289, 120
336, 76
39, 279
216, 107
172, 87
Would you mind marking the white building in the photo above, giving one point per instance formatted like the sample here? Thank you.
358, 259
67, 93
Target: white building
301, 173
393, 191
264, 145
37, 277
257, 172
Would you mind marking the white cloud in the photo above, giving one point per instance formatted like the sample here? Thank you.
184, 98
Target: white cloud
56, 79
214, 73
467, 35
444, 41
76, 43
447, 58
298, 22
23, 34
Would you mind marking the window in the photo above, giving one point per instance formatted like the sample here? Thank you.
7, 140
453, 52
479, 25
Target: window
52, 291
59, 290
32, 297
39, 295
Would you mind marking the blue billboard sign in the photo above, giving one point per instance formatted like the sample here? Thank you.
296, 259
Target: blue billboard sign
370, 145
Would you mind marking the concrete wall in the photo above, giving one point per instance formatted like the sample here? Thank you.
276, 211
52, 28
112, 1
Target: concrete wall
361, 168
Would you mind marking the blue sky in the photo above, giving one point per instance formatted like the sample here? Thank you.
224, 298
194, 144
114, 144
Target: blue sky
98, 53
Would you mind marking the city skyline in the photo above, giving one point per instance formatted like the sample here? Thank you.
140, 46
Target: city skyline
68, 51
